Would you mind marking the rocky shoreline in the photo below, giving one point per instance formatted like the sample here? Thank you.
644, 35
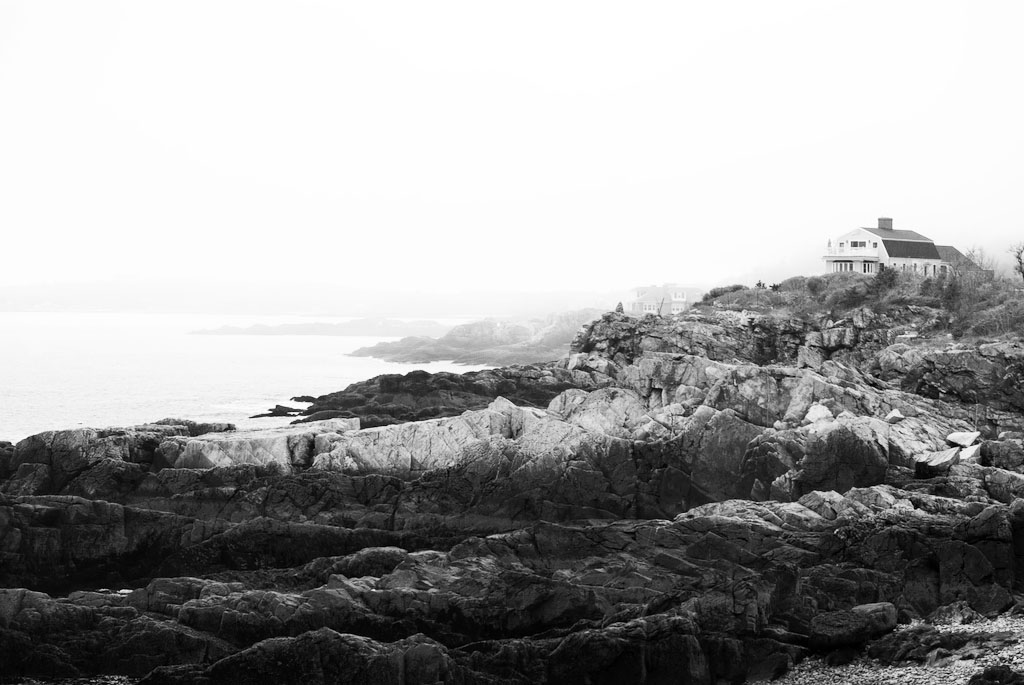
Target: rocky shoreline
698, 499
491, 341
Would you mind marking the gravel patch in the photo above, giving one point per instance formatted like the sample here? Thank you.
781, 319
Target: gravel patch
865, 671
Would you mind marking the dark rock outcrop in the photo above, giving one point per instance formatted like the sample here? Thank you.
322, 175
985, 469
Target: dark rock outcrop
419, 395
989, 374
997, 675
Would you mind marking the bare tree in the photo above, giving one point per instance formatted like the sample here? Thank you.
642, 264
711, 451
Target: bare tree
981, 258
1017, 250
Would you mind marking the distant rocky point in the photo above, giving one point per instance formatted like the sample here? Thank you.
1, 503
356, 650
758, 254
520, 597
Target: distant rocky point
379, 327
492, 341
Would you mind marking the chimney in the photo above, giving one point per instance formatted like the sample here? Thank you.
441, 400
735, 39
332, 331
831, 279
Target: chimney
884, 224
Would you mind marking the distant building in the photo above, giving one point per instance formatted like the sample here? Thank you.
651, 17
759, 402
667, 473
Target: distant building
662, 299
865, 250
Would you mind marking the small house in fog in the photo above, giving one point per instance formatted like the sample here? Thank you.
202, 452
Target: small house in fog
662, 299
865, 250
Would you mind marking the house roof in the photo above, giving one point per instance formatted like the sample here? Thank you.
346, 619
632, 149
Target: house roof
888, 234
914, 249
954, 256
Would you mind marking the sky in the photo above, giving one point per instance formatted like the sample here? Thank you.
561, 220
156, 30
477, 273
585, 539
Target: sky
534, 146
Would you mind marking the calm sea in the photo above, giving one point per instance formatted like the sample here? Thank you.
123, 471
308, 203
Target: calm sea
66, 370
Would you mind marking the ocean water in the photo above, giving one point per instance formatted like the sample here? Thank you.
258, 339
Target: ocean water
68, 370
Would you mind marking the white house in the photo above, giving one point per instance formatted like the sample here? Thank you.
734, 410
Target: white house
865, 249
662, 299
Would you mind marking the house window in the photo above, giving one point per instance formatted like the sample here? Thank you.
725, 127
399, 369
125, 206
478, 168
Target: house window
874, 244
868, 268
858, 243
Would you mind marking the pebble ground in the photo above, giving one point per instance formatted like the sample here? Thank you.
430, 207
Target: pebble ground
864, 671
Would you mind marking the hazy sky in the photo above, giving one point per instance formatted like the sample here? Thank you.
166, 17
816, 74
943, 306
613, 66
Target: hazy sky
486, 145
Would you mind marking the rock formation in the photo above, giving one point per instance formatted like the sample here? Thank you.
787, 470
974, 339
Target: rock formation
694, 499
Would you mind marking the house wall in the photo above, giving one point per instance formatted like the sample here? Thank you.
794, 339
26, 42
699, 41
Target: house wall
874, 243
856, 265
913, 265
841, 252
660, 300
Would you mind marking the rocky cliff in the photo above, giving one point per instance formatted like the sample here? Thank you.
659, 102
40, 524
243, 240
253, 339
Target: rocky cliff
698, 499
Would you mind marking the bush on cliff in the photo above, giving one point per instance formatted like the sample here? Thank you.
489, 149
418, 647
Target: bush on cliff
968, 305
715, 293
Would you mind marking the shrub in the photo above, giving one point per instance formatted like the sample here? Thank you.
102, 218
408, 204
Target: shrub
718, 292
849, 297
795, 284
883, 283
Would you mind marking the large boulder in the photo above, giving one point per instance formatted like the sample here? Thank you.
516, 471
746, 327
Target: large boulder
827, 455
853, 627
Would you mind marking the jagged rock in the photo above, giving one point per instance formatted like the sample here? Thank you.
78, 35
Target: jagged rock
195, 428
265, 542
715, 442
831, 505
412, 448
836, 455
49, 461
420, 395
963, 438
610, 411
924, 644
936, 463
286, 448
971, 455
997, 675
322, 657
956, 613
989, 373
818, 412
724, 336
895, 416
92, 632
1004, 454
51, 542
6, 458
849, 628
